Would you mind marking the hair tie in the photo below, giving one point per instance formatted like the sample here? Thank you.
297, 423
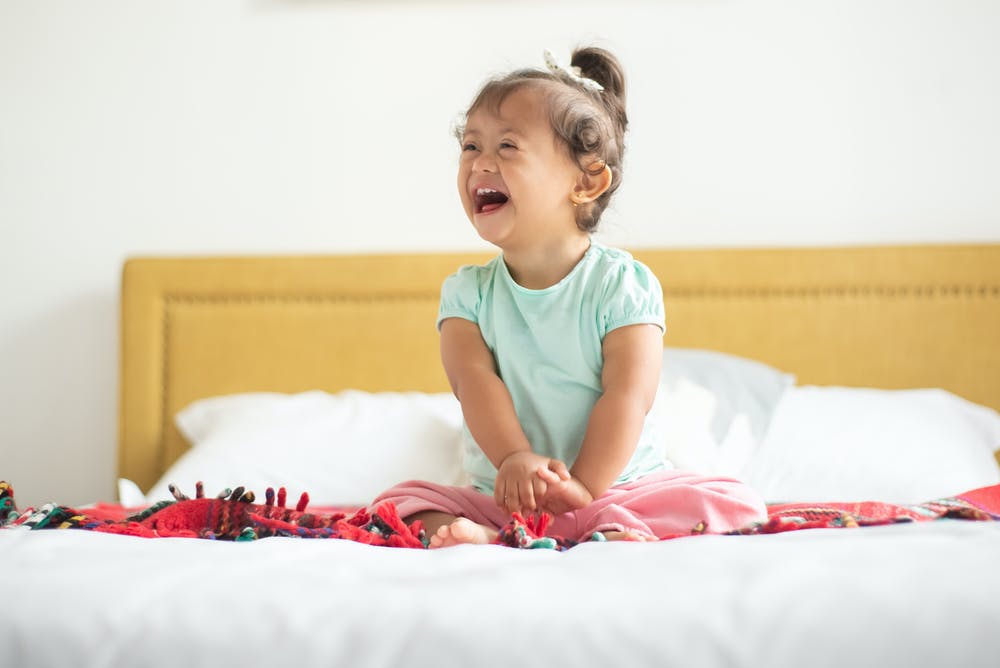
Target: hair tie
571, 72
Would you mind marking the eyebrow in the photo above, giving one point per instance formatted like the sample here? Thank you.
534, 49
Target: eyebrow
504, 131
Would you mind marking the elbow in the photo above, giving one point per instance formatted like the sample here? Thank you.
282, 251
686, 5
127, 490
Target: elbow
633, 402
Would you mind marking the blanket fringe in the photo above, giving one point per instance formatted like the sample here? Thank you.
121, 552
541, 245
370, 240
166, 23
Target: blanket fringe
233, 515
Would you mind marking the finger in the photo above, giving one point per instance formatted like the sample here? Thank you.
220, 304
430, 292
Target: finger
511, 502
528, 495
499, 491
550, 503
504, 492
547, 474
559, 468
539, 490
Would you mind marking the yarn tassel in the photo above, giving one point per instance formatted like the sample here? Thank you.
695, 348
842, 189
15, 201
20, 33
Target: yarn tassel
303, 502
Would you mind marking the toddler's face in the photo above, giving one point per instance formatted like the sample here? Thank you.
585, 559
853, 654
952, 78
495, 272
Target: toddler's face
515, 176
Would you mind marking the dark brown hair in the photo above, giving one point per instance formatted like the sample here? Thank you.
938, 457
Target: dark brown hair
591, 123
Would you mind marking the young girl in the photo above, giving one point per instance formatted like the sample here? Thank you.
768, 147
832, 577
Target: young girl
554, 347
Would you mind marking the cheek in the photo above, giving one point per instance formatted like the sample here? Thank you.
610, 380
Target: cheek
463, 191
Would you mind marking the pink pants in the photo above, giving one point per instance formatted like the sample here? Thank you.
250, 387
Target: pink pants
659, 504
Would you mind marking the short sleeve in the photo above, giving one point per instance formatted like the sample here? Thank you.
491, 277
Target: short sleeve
633, 296
461, 295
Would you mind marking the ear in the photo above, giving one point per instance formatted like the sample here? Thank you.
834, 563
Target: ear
591, 184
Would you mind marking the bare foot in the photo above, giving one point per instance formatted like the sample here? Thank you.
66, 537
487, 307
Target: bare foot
462, 530
629, 535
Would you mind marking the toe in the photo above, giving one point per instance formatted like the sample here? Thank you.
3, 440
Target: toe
461, 530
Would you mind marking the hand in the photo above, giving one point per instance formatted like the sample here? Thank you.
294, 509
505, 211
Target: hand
524, 478
565, 496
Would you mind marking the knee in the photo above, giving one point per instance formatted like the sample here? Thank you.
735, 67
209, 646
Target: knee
405, 490
738, 504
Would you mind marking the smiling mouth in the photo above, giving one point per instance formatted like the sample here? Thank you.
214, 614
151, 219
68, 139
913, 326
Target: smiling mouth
487, 200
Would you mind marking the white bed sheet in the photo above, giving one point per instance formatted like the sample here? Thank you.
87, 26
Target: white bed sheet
905, 595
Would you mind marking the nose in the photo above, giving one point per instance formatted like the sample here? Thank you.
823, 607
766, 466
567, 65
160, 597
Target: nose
484, 162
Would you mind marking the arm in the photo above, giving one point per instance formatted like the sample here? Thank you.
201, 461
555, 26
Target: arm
490, 416
632, 359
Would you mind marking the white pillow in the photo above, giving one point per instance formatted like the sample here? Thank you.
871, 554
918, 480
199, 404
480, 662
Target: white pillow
129, 494
857, 444
713, 409
343, 449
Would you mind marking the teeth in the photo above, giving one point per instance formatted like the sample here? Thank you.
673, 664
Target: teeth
484, 191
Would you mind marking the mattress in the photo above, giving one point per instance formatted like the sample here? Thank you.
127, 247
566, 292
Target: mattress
918, 594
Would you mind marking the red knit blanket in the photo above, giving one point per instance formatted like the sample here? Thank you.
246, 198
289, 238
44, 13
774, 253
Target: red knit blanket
234, 515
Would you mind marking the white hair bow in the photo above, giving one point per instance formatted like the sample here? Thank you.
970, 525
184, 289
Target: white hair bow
571, 72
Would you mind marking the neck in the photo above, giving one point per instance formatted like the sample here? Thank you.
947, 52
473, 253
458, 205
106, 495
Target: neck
543, 266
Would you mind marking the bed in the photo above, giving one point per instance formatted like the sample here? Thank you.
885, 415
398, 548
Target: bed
794, 368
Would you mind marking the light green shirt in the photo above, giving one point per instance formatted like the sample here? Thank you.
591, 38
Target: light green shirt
548, 348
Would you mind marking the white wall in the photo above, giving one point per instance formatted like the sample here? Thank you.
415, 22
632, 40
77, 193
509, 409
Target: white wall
260, 126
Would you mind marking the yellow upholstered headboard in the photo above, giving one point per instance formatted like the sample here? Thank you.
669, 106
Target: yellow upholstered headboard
920, 316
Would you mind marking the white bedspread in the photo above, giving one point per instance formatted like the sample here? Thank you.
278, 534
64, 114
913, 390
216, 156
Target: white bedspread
907, 595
